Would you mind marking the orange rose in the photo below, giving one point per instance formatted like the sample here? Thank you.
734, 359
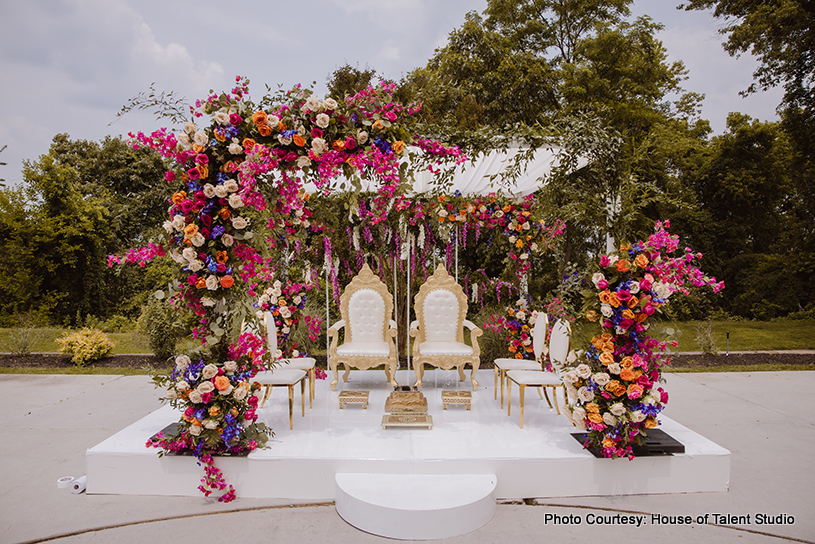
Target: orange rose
204, 170
627, 362
634, 391
199, 148
248, 144
623, 265
606, 358
259, 117
592, 407
298, 140
591, 315
614, 300
221, 383
215, 411
338, 145
225, 213
594, 418
633, 302
605, 296
227, 281
641, 261
398, 146
608, 443
628, 375
641, 317
378, 125
265, 130
628, 314
221, 256
519, 356
650, 423
179, 197
281, 126
190, 230
201, 283
519, 244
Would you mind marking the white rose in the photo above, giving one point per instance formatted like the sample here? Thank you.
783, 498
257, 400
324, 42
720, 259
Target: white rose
171, 394
524, 256
195, 265
222, 118
606, 310
512, 239
579, 413
231, 185
239, 223
189, 253
212, 283
195, 397
362, 137
190, 128
284, 312
570, 377
614, 368
297, 300
285, 330
240, 393
312, 103
184, 140
663, 290
295, 353
526, 225
235, 201
177, 257
273, 121
601, 378
227, 240
284, 140
209, 190
634, 287
198, 239
330, 104
609, 419
534, 246
613, 260
583, 371
168, 226
303, 161
182, 362
521, 316
276, 292
571, 357
617, 409
637, 416
179, 222
230, 366
220, 191
597, 278
200, 138
205, 387
209, 371
235, 148
195, 430
584, 394
319, 146
226, 391
210, 424
206, 301
322, 120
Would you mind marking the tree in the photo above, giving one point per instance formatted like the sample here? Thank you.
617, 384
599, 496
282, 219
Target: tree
347, 80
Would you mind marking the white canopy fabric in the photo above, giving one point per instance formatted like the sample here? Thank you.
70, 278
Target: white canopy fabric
473, 177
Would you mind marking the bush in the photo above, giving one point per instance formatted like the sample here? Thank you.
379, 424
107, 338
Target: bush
164, 327
86, 346
25, 336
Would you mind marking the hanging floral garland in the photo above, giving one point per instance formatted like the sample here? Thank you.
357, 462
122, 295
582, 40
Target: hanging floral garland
613, 390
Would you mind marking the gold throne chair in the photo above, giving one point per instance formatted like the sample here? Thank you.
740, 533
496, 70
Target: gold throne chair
438, 332
366, 308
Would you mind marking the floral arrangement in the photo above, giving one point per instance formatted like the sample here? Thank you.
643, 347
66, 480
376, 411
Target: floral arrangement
517, 326
613, 390
286, 304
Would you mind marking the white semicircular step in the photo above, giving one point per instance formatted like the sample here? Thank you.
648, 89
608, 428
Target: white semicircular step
416, 506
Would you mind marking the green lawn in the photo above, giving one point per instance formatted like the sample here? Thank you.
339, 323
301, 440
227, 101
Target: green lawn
744, 336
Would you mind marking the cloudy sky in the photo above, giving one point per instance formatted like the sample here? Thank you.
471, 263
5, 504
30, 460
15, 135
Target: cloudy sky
70, 65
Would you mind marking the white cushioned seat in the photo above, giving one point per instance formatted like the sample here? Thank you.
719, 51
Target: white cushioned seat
444, 348
377, 349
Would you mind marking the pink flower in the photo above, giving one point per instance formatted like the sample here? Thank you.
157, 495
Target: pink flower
169, 176
602, 285
235, 119
605, 262
201, 159
390, 116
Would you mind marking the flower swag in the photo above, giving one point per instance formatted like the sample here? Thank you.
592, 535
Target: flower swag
612, 387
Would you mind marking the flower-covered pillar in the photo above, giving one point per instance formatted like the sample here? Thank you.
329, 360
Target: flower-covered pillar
614, 388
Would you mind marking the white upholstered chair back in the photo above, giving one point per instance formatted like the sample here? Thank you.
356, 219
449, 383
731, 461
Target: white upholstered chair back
366, 316
441, 316
271, 333
559, 342
539, 334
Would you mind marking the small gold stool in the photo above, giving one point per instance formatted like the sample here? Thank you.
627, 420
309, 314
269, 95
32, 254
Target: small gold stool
456, 397
354, 396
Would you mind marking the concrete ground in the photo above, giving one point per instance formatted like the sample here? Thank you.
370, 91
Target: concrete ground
765, 419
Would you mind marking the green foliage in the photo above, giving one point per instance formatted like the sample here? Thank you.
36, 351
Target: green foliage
28, 334
705, 339
164, 327
348, 80
86, 346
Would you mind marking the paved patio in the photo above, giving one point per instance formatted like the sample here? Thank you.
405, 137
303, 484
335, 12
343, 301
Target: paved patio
765, 419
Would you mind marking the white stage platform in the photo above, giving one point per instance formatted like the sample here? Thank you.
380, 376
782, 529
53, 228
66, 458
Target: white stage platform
541, 460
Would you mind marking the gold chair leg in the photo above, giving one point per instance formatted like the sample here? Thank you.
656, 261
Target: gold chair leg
291, 406
523, 387
303, 396
266, 394
542, 392
509, 396
503, 380
547, 396
554, 398
312, 374
495, 387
